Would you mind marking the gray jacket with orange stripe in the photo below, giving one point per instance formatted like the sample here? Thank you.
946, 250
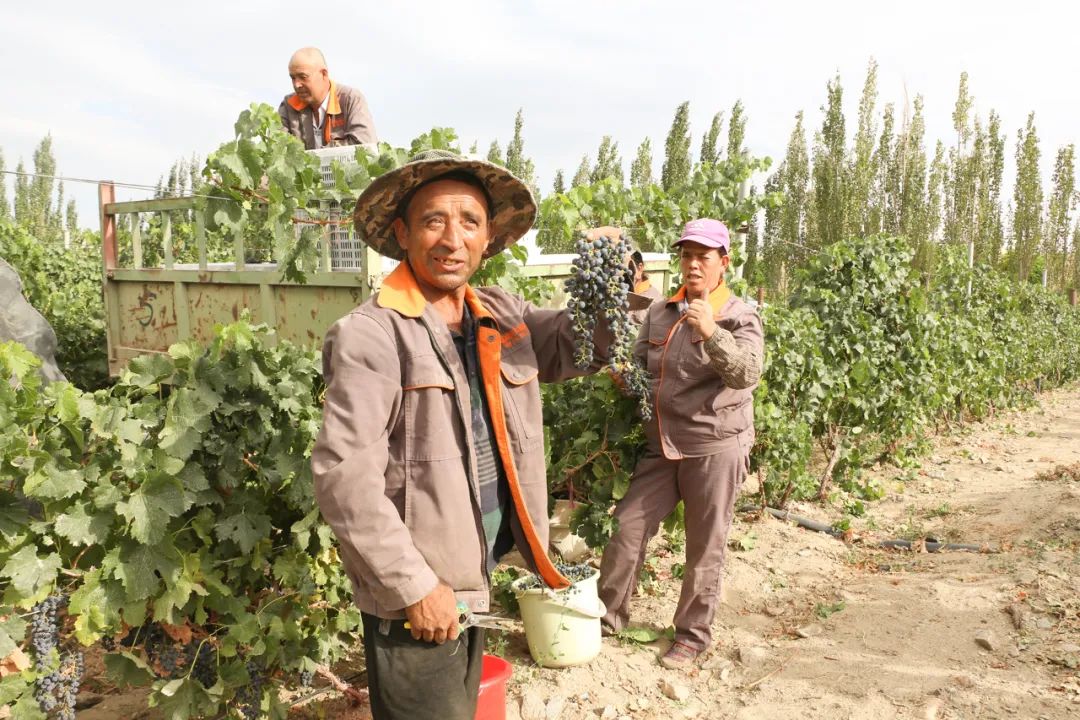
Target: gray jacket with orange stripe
348, 119
394, 475
702, 388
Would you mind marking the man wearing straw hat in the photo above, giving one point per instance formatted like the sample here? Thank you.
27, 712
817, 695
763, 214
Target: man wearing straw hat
430, 463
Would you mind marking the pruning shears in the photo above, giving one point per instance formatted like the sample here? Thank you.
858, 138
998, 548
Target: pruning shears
468, 619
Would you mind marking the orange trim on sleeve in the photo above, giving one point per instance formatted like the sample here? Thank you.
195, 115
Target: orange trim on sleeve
489, 348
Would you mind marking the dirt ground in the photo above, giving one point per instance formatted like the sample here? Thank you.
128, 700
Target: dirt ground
813, 627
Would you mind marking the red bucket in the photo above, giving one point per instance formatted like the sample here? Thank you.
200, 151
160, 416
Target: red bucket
491, 704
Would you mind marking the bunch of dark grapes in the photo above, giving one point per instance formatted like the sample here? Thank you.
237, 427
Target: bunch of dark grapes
54, 691
172, 659
249, 698
306, 676
598, 287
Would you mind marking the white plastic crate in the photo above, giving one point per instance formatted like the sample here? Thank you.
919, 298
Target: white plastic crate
346, 248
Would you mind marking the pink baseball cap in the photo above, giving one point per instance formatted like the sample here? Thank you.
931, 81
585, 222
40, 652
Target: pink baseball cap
707, 232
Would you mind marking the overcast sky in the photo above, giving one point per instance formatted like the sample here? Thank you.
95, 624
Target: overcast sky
129, 88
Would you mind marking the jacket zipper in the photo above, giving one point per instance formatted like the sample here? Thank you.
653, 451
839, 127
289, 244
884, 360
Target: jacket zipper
474, 490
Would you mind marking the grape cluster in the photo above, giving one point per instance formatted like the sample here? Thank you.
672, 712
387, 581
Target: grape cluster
306, 677
249, 698
171, 659
598, 287
54, 690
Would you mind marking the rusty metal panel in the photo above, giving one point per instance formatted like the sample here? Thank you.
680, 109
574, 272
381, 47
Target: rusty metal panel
147, 313
305, 313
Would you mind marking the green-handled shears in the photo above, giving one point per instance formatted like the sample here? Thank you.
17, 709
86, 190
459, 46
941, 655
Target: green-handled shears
467, 619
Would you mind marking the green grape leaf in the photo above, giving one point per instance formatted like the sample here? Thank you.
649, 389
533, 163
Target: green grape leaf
139, 567
12, 631
29, 573
243, 529
151, 506
52, 483
128, 670
81, 528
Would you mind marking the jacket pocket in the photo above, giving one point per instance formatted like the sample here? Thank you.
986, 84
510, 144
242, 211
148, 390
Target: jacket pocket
432, 430
655, 354
521, 398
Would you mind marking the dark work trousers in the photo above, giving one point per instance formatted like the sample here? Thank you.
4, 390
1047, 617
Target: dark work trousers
707, 486
415, 680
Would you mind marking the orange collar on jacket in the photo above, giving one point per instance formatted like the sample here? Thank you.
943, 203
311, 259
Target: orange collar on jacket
717, 298
400, 292
642, 286
333, 106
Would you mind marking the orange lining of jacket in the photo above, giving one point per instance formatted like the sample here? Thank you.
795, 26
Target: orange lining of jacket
642, 286
333, 107
400, 292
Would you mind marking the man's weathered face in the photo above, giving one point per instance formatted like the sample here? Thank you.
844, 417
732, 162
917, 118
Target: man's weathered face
444, 234
310, 79
702, 268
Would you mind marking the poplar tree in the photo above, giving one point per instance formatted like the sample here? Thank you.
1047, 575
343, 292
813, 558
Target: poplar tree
863, 171
880, 201
495, 154
676, 170
989, 230
55, 221
641, 168
5, 209
71, 217
581, 177
710, 152
914, 216
516, 162
794, 182
750, 269
775, 253
736, 131
474, 149
608, 162
1074, 275
935, 206
559, 185
1059, 216
964, 164
830, 171
41, 191
23, 194
1027, 199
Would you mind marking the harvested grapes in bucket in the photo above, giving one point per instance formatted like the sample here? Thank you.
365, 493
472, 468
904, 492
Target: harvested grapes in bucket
573, 573
598, 287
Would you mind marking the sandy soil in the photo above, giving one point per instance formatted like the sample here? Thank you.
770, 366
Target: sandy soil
813, 627
889, 634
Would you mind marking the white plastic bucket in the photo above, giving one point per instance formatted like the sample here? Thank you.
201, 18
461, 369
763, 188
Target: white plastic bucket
561, 626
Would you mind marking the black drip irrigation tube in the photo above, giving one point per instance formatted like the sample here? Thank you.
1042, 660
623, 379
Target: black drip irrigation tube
818, 526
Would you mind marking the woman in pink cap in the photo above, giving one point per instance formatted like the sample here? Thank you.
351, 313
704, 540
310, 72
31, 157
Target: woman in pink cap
703, 350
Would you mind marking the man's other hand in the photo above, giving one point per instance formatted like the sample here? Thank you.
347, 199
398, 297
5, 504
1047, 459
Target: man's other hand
435, 617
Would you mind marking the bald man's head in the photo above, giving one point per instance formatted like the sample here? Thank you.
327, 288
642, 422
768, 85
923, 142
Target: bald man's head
310, 78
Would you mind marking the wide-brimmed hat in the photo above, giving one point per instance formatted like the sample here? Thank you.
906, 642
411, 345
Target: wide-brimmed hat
513, 209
